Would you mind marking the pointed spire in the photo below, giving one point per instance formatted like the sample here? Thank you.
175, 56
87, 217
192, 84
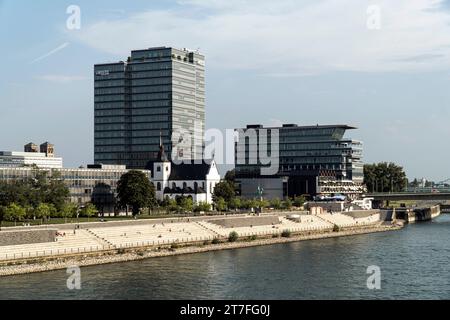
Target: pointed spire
162, 157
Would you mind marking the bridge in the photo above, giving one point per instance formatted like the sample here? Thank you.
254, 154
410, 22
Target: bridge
400, 196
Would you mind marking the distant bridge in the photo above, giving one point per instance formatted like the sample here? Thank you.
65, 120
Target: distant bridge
399, 196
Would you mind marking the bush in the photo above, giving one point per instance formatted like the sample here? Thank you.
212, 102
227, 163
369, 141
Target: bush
206, 242
336, 228
252, 238
276, 235
286, 234
233, 237
215, 241
174, 246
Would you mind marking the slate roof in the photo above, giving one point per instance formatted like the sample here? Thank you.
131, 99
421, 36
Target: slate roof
187, 190
189, 171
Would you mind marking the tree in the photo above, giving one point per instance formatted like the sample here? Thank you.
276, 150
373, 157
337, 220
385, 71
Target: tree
34, 191
276, 203
56, 192
221, 205
44, 211
14, 212
235, 203
299, 201
134, 189
172, 205
233, 236
261, 203
103, 197
89, 210
225, 190
202, 207
230, 176
384, 177
2, 215
287, 204
186, 204
69, 210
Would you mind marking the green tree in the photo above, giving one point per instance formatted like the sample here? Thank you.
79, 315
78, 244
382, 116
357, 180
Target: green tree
235, 203
276, 203
173, 205
14, 212
287, 204
56, 192
68, 211
202, 207
299, 201
186, 204
2, 215
225, 190
221, 205
384, 177
233, 236
261, 203
134, 189
103, 197
230, 176
89, 210
44, 211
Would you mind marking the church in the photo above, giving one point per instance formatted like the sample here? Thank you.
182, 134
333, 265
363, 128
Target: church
186, 179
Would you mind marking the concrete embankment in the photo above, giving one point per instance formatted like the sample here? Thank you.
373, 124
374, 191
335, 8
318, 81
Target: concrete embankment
132, 254
410, 215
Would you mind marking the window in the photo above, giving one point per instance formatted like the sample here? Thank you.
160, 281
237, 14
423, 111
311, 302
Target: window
158, 169
158, 187
184, 185
195, 186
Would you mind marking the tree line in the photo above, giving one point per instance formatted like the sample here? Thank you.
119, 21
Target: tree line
39, 198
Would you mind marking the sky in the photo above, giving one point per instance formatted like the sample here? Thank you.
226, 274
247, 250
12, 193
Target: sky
380, 65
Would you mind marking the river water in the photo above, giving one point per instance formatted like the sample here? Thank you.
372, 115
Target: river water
414, 264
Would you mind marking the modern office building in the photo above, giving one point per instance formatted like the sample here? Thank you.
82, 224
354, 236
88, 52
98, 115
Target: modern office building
312, 160
84, 184
31, 157
157, 92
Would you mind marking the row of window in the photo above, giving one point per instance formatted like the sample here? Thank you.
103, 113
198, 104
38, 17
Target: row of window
137, 126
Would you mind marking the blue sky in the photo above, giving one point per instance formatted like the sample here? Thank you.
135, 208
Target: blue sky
267, 62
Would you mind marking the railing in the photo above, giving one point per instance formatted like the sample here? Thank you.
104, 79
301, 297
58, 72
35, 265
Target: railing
162, 242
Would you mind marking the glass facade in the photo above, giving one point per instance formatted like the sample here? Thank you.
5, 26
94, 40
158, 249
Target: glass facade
157, 92
302, 149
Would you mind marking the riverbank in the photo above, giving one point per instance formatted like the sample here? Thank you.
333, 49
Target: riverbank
132, 254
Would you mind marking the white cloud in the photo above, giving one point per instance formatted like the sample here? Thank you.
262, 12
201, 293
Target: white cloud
287, 38
60, 78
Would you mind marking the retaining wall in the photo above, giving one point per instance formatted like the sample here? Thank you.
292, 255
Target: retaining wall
13, 238
246, 221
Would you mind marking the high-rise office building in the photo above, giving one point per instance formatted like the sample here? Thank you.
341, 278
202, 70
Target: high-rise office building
157, 95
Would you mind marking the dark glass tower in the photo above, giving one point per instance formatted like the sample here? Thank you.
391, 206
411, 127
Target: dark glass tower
157, 92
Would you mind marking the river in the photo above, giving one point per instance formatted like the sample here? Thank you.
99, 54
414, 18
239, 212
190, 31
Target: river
414, 264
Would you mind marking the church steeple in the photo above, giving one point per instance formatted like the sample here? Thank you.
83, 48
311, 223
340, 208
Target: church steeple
162, 157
